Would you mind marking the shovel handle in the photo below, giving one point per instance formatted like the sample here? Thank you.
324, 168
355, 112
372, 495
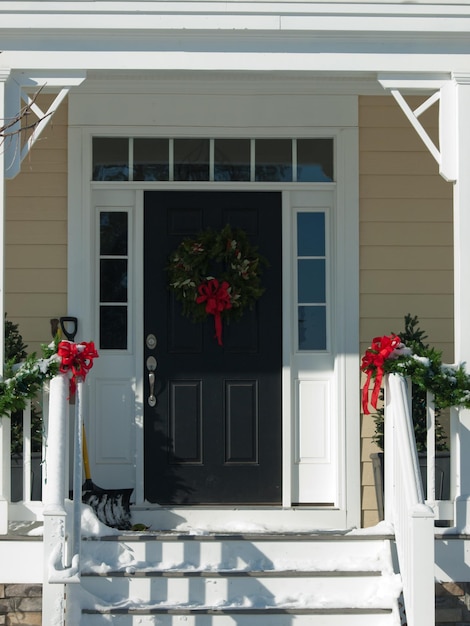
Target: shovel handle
86, 461
73, 321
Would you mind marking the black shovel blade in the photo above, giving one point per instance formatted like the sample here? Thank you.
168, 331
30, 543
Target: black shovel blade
112, 506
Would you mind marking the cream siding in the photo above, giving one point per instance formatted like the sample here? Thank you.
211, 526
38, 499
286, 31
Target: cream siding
36, 234
406, 258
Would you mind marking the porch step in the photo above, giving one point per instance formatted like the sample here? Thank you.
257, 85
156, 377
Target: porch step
222, 579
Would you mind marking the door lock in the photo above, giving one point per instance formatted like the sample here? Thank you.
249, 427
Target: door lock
151, 341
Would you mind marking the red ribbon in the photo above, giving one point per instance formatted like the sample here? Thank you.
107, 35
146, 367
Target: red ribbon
372, 363
217, 299
76, 358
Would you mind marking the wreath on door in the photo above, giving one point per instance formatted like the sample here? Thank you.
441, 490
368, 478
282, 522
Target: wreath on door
216, 273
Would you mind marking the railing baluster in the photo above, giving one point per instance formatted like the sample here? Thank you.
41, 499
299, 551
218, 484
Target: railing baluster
5, 472
431, 448
26, 496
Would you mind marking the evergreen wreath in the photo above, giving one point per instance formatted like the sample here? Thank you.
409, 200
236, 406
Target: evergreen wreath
237, 285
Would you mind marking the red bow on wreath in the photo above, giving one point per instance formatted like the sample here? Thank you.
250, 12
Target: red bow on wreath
372, 363
217, 299
76, 358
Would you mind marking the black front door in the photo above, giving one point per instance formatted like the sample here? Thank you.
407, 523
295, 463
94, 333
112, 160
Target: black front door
214, 434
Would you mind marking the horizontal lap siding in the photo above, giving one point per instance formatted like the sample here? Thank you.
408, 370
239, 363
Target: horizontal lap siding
36, 234
406, 257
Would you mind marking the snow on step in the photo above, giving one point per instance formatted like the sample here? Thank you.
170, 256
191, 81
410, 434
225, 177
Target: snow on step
163, 552
321, 618
172, 579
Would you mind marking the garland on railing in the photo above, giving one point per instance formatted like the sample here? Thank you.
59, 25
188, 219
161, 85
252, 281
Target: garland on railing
450, 384
22, 381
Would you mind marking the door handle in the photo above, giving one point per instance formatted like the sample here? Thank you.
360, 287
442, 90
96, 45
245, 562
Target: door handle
151, 367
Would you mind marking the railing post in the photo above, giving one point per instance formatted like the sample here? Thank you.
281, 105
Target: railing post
420, 609
389, 453
5, 472
54, 510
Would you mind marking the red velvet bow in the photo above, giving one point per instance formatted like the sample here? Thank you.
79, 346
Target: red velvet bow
217, 299
372, 363
76, 358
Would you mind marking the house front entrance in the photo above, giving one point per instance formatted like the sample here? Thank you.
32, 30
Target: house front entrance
212, 413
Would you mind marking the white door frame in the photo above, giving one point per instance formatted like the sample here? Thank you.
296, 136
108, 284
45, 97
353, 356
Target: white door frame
346, 509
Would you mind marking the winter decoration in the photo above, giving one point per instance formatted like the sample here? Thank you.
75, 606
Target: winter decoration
76, 360
450, 384
22, 381
226, 295
373, 362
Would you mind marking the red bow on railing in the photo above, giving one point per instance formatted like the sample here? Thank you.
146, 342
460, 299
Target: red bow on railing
217, 299
372, 363
77, 359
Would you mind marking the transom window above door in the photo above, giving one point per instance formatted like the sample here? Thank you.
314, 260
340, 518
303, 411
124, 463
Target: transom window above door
219, 160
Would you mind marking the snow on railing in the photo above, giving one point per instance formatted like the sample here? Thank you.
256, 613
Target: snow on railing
405, 505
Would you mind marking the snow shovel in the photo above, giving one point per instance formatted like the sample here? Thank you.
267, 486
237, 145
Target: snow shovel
110, 505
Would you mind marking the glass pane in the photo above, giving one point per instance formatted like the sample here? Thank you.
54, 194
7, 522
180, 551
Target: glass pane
273, 160
312, 328
232, 159
113, 233
191, 159
311, 280
151, 159
310, 234
110, 158
315, 160
113, 328
113, 280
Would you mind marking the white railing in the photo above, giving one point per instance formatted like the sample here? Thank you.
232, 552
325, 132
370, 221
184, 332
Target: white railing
25, 507
405, 506
61, 534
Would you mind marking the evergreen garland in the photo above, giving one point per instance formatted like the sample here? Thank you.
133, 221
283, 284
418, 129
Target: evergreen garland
423, 364
22, 381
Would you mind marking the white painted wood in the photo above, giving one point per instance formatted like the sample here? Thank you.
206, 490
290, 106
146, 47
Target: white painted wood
110, 420
212, 114
448, 132
21, 562
461, 277
5, 426
346, 322
316, 399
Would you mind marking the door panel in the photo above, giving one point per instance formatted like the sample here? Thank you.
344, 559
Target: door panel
214, 435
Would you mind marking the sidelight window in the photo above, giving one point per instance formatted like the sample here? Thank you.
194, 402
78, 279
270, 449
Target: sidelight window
311, 280
113, 277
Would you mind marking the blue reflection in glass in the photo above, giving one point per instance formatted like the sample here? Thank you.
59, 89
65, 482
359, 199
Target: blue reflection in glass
312, 328
311, 234
311, 280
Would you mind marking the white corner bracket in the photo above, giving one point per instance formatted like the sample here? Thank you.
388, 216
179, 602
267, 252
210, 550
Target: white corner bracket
20, 88
440, 88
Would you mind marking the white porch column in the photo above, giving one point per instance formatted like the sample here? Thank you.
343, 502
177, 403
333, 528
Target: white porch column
4, 421
461, 129
4, 74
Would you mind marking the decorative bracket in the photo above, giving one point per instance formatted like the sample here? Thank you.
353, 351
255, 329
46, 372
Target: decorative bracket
445, 153
19, 87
